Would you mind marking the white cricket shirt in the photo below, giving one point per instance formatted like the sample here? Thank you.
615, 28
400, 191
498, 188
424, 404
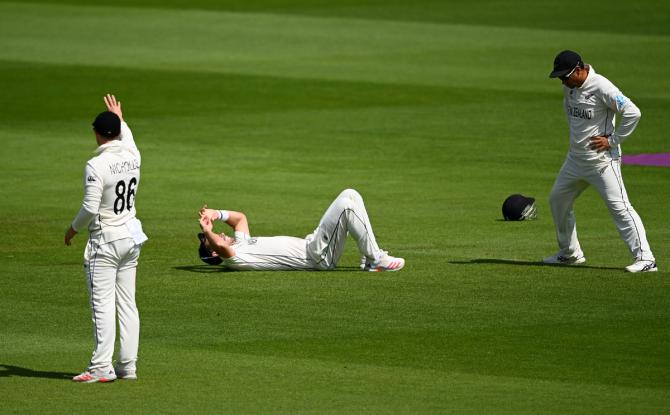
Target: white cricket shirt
270, 253
591, 111
111, 179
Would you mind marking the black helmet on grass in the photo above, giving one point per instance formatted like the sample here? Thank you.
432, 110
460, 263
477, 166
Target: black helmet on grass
519, 207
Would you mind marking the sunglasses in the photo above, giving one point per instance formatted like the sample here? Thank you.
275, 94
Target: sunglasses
565, 77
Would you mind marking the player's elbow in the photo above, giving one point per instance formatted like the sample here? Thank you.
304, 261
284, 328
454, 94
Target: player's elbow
632, 112
243, 224
83, 218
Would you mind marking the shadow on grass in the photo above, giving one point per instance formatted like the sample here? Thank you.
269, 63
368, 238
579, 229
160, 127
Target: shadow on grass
10, 371
203, 269
526, 263
213, 269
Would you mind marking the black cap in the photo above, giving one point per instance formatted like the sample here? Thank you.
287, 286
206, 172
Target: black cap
565, 62
519, 207
107, 124
206, 254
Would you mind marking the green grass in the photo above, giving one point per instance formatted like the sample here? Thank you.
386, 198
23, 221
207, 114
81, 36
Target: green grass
434, 111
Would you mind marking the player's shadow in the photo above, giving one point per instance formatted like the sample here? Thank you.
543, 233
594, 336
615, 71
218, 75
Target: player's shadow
209, 269
202, 269
524, 263
11, 371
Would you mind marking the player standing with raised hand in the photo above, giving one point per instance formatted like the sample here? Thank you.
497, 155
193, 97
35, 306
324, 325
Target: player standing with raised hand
111, 179
591, 103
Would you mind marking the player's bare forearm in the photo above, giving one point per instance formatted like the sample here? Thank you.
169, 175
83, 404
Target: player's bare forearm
238, 221
113, 105
69, 234
213, 239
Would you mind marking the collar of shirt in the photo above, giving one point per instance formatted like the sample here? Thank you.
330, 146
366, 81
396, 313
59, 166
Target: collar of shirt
589, 78
113, 145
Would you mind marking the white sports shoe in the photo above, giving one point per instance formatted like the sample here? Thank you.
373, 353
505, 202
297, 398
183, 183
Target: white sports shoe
641, 265
387, 263
96, 375
564, 260
126, 374
365, 262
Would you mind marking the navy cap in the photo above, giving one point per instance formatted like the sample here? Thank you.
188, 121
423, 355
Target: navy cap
519, 207
107, 124
206, 254
565, 62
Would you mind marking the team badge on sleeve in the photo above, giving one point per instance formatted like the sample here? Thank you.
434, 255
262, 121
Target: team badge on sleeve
621, 101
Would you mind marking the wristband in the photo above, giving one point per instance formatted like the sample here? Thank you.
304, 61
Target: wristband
224, 215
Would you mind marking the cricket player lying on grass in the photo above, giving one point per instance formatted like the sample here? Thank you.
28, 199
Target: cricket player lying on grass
320, 250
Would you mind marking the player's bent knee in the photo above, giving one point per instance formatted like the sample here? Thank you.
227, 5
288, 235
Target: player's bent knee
351, 194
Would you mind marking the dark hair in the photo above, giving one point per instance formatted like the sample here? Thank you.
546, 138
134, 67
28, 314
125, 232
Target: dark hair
205, 253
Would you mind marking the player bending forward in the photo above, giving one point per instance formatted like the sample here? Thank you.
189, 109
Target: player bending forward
591, 102
320, 250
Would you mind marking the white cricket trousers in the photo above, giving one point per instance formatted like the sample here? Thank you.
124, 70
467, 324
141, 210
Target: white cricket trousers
572, 180
346, 215
110, 274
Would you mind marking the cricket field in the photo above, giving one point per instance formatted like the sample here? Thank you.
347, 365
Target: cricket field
435, 111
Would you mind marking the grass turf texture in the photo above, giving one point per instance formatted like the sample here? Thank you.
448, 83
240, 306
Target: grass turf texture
435, 112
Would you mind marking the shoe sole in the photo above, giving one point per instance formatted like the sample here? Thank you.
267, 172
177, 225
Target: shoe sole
105, 380
95, 380
642, 270
575, 262
381, 269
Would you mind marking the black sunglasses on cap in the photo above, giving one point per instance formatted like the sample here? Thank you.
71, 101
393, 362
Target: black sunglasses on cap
565, 77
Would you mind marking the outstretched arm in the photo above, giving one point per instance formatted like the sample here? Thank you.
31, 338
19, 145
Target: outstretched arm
115, 106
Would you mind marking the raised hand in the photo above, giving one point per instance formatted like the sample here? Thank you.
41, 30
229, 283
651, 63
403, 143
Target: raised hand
210, 213
113, 105
205, 224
